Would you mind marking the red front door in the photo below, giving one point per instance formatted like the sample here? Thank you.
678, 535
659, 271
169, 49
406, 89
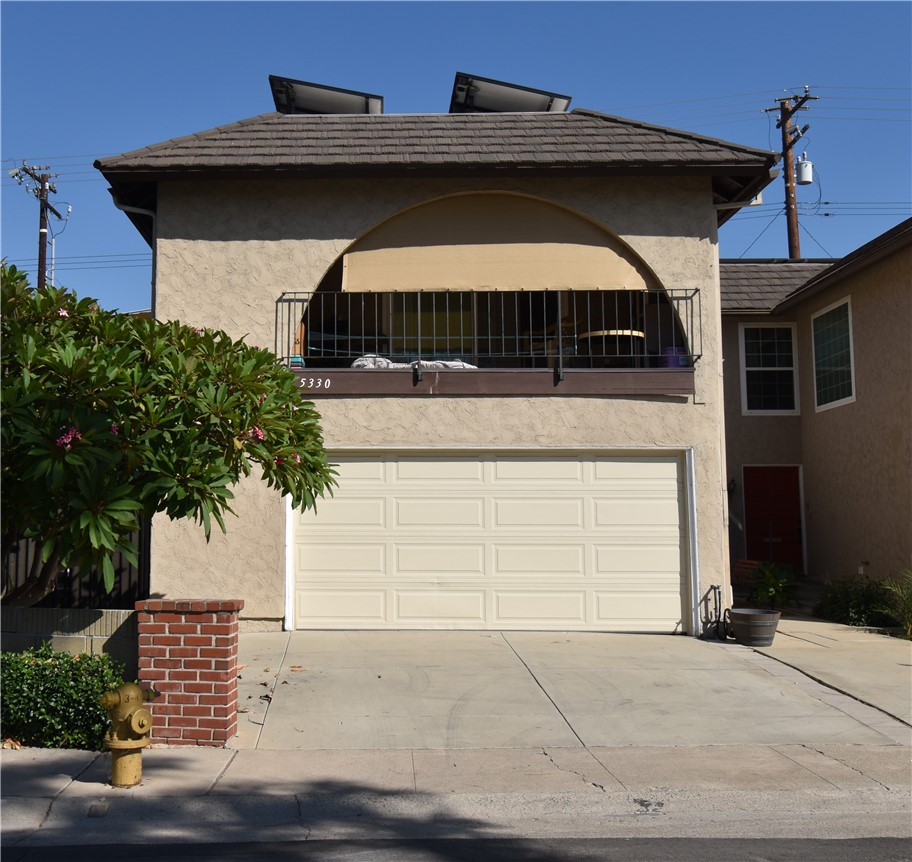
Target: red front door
772, 515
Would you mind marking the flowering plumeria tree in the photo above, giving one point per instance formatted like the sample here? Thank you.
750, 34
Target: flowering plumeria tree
108, 419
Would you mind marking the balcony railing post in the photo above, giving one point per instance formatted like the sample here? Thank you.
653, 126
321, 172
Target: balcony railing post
559, 365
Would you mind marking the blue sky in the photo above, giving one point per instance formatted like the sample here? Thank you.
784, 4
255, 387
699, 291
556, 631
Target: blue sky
83, 80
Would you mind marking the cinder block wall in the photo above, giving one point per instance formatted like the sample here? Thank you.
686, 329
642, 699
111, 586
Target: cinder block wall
188, 653
74, 631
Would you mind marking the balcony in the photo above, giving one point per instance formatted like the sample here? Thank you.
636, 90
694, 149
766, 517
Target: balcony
642, 342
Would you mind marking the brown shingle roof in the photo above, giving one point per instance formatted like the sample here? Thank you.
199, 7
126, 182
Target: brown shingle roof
752, 286
886, 243
346, 143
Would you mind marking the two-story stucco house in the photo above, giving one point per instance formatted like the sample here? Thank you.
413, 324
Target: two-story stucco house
818, 409
510, 323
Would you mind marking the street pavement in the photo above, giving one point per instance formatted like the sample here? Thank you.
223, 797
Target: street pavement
403, 739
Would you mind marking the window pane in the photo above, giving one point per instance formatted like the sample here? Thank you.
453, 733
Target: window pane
832, 355
770, 390
769, 368
768, 347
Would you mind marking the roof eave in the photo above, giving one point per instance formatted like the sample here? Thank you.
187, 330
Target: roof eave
747, 312
128, 183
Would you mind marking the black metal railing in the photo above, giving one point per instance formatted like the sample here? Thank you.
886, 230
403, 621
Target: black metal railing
74, 589
491, 329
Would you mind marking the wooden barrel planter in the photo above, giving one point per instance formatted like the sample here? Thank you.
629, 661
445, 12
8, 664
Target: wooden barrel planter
754, 627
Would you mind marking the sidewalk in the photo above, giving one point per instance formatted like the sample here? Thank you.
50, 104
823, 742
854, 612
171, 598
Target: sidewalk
822, 764
871, 667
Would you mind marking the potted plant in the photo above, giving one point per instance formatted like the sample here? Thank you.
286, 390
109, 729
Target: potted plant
755, 626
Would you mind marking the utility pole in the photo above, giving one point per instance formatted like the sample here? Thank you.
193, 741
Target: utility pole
43, 186
788, 107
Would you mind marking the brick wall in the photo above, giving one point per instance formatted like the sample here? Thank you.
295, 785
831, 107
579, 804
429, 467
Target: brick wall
188, 652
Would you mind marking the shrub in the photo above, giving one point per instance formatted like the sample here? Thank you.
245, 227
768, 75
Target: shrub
773, 584
107, 419
897, 593
51, 699
854, 601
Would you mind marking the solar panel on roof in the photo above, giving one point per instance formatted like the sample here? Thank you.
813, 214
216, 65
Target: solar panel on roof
473, 95
302, 97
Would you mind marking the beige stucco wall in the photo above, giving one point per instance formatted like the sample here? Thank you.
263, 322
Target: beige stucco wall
858, 456
752, 439
226, 251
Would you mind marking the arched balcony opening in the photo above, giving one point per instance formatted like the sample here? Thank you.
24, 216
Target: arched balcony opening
489, 282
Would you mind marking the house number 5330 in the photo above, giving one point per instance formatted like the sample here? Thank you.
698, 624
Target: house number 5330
315, 382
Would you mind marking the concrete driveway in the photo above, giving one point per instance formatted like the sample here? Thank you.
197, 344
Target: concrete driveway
357, 690
515, 736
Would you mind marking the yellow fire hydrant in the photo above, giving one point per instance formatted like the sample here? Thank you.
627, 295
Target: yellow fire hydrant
131, 726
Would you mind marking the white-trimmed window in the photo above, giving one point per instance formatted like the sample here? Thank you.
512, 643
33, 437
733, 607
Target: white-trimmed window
769, 369
834, 363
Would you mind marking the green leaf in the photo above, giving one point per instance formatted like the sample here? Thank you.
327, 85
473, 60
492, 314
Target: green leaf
107, 569
123, 506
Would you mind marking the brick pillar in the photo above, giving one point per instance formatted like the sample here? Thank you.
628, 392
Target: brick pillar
188, 652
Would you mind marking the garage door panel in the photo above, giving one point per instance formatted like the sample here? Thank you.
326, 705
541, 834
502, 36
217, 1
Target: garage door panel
661, 468
435, 512
611, 559
495, 540
423, 471
440, 558
318, 560
643, 610
440, 607
368, 470
536, 513
533, 608
537, 471
364, 512
614, 511
316, 607
541, 560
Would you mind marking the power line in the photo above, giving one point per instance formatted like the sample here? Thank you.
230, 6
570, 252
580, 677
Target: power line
63, 158
707, 98
848, 87
93, 265
864, 98
104, 254
804, 228
772, 221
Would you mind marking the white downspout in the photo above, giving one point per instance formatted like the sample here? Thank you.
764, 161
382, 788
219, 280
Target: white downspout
288, 622
693, 544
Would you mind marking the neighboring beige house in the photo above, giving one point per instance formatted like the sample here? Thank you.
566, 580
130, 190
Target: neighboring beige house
531, 436
818, 409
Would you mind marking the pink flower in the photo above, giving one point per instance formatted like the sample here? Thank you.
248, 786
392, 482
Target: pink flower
279, 461
67, 438
63, 312
115, 429
256, 433
297, 458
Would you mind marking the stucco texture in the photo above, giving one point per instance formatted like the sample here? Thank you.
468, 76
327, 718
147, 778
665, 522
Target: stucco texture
226, 251
858, 456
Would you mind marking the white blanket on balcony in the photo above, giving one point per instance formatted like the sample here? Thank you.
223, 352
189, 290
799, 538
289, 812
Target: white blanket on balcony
382, 362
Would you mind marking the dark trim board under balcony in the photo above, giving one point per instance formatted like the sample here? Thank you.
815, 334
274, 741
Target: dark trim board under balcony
503, 382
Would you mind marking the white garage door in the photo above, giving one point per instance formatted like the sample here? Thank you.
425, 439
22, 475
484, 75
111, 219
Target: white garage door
495, 541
